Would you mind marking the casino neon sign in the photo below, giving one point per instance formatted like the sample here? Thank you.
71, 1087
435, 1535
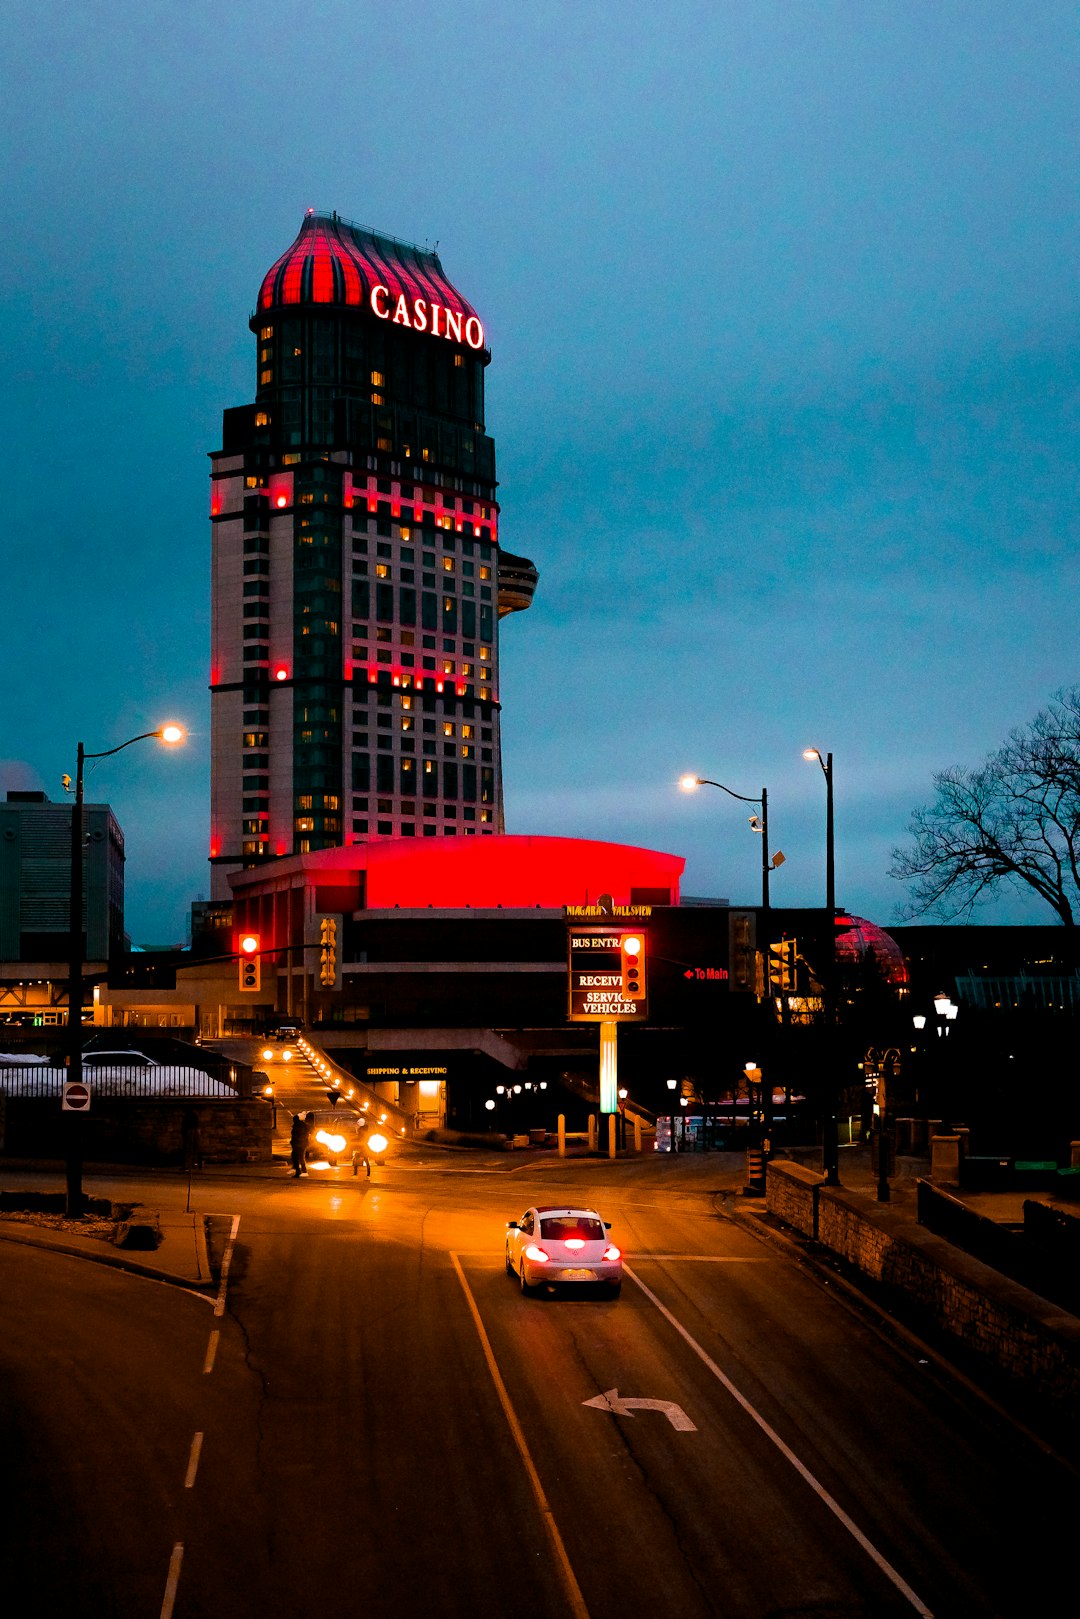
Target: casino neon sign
422, 315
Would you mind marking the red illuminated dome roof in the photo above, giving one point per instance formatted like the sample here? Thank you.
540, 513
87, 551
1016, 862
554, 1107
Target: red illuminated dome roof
333, 261
865, 941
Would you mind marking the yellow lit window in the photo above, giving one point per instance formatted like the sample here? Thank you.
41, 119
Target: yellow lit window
307, 500
385, 444
261, 419
378, 399
485, 571
485, 815
467, 730
304, 802
447, 564
406, 450
267, 332
406, 533
305, 823
406, 701
378, 380
331, 801
407, 722
466, 750
265, 377
466, 670
485, 653
459, 361
264, 355
485, 693
297, 353
448, 667
448, 729
251, 483
425, 453
382, 570
289, 460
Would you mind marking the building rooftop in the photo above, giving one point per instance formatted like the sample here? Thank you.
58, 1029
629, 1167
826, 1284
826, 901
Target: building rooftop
333, 261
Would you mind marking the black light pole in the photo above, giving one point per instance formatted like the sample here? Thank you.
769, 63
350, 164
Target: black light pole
759, 824
77, 953
830, 1144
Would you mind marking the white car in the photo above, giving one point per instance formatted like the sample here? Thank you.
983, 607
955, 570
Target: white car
551, 1245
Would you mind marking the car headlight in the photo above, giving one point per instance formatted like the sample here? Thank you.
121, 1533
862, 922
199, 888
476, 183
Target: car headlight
377, 1143
332, 1142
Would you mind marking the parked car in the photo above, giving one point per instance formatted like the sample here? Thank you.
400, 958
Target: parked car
552, 1245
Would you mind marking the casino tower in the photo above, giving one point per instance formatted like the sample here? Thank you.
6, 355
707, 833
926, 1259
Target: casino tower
358, 582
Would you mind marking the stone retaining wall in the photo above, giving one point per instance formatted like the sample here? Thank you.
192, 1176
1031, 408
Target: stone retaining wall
1015, 1330
139, 1130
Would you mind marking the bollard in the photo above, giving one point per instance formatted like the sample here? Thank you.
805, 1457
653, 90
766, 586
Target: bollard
592, 1132
562, 1135
755, 1171
611, 1135
637, 1133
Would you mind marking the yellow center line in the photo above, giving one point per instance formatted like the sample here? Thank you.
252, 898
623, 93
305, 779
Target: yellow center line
576, 1602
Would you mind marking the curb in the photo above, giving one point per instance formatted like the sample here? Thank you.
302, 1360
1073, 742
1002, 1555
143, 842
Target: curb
30, 1237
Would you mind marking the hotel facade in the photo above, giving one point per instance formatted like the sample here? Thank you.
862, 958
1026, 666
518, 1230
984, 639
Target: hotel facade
358, 581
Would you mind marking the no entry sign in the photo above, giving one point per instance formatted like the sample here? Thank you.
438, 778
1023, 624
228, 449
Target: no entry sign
76, 1098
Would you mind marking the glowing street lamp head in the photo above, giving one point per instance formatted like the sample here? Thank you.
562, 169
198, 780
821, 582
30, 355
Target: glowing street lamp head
811, 753
689, 784
172, 734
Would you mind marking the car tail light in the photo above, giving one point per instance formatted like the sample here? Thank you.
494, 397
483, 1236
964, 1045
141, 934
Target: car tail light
611, 1252
537, 1255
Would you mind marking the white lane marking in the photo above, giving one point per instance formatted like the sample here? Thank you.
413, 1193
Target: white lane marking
789, 1455
713, 1259
193, 1461
576, 1602
211, 1351
219, 1305
625, 1406
172, 1580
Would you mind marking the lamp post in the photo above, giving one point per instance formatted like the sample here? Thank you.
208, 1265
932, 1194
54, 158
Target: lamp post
830, 839
759, 824
830, 1145
171, 735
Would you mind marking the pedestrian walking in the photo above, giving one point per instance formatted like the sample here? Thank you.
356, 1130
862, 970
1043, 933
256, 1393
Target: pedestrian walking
298, 1140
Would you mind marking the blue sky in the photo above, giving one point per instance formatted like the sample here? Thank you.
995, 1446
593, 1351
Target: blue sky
783, 307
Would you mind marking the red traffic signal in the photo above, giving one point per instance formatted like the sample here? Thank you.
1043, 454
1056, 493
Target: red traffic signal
250, 963
632, 966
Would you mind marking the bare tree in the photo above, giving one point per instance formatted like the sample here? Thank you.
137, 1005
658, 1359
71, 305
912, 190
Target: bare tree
1015, 819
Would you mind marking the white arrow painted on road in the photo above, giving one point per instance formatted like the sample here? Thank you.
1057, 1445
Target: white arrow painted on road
625, 1407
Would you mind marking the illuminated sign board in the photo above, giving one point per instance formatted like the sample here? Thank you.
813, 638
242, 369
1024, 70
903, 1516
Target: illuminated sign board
405, 1071
424, 315
596, 984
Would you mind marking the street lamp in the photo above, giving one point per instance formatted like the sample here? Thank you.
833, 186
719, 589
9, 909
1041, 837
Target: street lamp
830, 1145
171, 735
759, 824
830, 841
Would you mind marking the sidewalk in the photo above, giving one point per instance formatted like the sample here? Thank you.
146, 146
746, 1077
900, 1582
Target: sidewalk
180, 1256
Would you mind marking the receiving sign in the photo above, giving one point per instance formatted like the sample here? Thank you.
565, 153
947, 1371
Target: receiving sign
606, 974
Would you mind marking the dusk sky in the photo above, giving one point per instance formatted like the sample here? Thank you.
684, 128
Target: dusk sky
782, 301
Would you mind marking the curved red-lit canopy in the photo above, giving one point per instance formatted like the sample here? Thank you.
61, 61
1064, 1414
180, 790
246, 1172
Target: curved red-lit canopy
505, 871
335, 262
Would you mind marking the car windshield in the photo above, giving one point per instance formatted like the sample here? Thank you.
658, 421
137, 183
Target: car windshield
562, 1227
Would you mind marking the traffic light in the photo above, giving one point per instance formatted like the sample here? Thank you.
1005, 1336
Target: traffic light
250, 962
782, 966
632, 966
328, 958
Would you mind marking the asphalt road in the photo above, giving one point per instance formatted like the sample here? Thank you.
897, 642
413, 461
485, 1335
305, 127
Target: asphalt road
389, 1428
